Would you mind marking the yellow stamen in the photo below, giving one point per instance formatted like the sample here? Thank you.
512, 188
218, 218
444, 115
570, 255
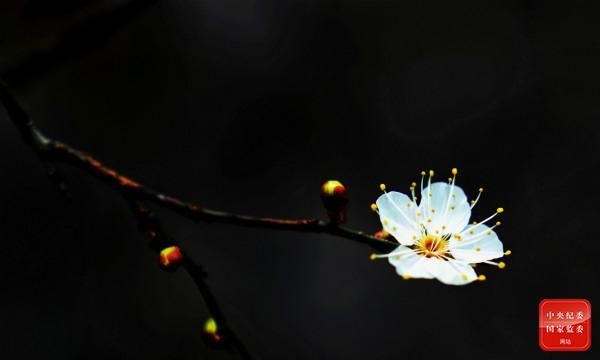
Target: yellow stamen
454, 171
374, 207
382, 187
501, 265
481, 277
500, 210
507, 252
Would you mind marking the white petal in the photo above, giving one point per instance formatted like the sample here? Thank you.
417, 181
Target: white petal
452, 272
409, 263
442, 215
483, 244
397, 214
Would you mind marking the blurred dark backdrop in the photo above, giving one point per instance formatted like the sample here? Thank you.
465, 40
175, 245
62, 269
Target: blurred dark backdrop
248, 106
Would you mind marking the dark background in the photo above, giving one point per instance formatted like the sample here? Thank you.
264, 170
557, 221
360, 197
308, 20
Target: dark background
248, 106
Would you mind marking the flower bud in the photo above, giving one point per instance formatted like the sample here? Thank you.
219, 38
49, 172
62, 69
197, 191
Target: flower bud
382, 234
211, 335
335, 199
170, 258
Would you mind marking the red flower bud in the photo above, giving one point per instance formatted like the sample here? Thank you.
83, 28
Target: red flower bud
335, 199
170, 258
382, 234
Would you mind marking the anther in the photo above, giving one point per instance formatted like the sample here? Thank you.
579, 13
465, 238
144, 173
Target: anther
382, 187
500, 210
481, 277
454, 171
501, 265
374, 207
507, 252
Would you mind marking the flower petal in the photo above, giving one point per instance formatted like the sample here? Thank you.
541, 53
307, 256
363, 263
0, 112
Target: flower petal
397, 214
452, 272
409, 263
478, 243
442, 215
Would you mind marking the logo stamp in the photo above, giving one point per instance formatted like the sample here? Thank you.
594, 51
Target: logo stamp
565, 324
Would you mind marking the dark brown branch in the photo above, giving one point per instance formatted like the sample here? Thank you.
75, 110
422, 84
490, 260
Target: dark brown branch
149, 224
50, 149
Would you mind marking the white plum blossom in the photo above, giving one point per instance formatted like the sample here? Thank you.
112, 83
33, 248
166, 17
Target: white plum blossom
435, 237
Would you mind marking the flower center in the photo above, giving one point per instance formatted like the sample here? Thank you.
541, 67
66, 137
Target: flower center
432, 246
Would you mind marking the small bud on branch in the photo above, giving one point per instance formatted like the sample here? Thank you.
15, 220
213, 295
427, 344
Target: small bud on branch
335, 200
170, 258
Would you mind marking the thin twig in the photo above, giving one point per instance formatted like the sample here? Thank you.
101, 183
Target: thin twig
149, 224
137, 194
57, 151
